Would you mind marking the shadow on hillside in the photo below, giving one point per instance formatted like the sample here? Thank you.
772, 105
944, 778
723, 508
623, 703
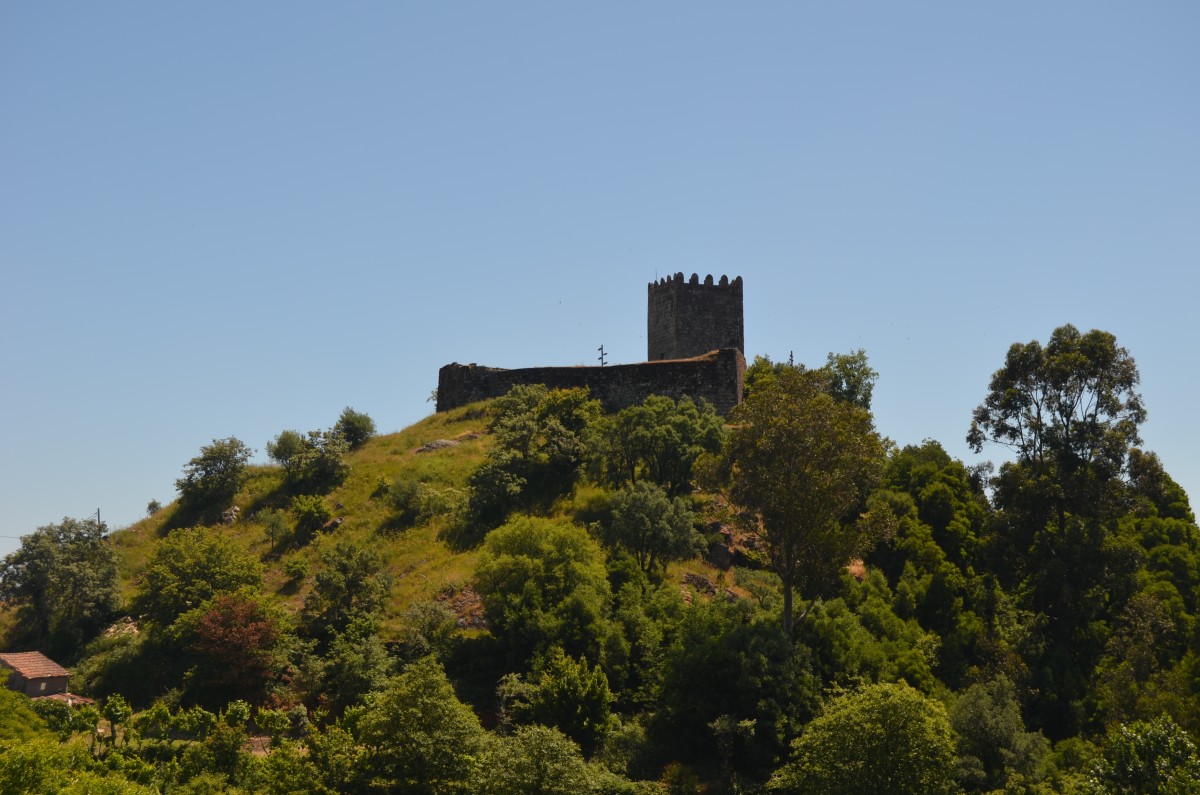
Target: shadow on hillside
462, 536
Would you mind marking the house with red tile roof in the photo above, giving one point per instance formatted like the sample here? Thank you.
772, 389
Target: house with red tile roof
37, 676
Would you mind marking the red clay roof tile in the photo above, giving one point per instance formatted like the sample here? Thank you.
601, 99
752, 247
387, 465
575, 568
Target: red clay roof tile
33, 664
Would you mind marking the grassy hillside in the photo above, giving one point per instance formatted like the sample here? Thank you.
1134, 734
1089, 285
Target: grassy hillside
420, 564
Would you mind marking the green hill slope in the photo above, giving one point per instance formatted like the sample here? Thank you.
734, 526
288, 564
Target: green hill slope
421, 565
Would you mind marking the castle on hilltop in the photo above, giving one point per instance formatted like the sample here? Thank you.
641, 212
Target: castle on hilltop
694, 347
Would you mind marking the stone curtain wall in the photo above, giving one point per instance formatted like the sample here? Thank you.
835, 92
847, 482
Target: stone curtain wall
716, 376
691, 318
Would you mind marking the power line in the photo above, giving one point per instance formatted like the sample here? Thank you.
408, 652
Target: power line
89, 515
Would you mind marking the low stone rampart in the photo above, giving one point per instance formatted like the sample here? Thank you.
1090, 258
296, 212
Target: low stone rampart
716, 376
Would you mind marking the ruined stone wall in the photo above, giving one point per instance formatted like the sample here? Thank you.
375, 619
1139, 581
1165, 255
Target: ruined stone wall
691, 318
716, 376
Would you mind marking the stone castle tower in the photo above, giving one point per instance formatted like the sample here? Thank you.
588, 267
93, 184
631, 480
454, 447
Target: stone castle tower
687, 319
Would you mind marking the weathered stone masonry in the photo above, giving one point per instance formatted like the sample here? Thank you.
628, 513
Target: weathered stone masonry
695, 348
716, 377
686, 319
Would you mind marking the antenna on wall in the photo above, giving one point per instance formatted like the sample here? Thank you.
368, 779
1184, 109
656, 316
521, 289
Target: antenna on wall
602, 355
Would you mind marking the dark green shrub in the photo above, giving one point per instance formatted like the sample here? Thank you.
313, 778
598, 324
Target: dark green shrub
311, 514
355, 427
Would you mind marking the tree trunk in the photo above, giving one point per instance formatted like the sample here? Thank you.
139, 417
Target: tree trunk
787, 607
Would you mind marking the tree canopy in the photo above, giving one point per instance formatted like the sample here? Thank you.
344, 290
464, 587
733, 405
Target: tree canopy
189, 567
1070, 411
63, 578
211, 480
886, 739
355, 427
659, 440
650, 526
542, 581
804, 463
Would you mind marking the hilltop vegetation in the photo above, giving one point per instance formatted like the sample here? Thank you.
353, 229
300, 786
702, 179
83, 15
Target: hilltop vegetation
530, 595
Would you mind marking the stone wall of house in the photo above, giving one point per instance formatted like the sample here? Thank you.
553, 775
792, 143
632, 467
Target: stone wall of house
37, 686
716, 376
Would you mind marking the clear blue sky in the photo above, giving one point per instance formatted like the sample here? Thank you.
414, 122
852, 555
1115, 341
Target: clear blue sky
234, 218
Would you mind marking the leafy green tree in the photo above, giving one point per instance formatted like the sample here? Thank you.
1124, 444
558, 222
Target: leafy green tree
286, 446
944, 496
355, 427
116, 711
63, 581
644, 618
311, 515
41, 765
858, 636
1145, 640
57, 715
287, 770
89, 720
730, 659
194, 723
543, 439
850, 378
759, 372
1147, 758
930, 560
650, 526
731, 733
190, 567
570, 696
236, 713
804, 463
219, 762
356, 663
154, 723
319, 465
275, 523
416, 736
659, 440
1153, 491
543, 583
275, 722
993, 744
534, 760
212, 479
1070, 413
337, 756
428, 627
351, 588
886, 739
847, 377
